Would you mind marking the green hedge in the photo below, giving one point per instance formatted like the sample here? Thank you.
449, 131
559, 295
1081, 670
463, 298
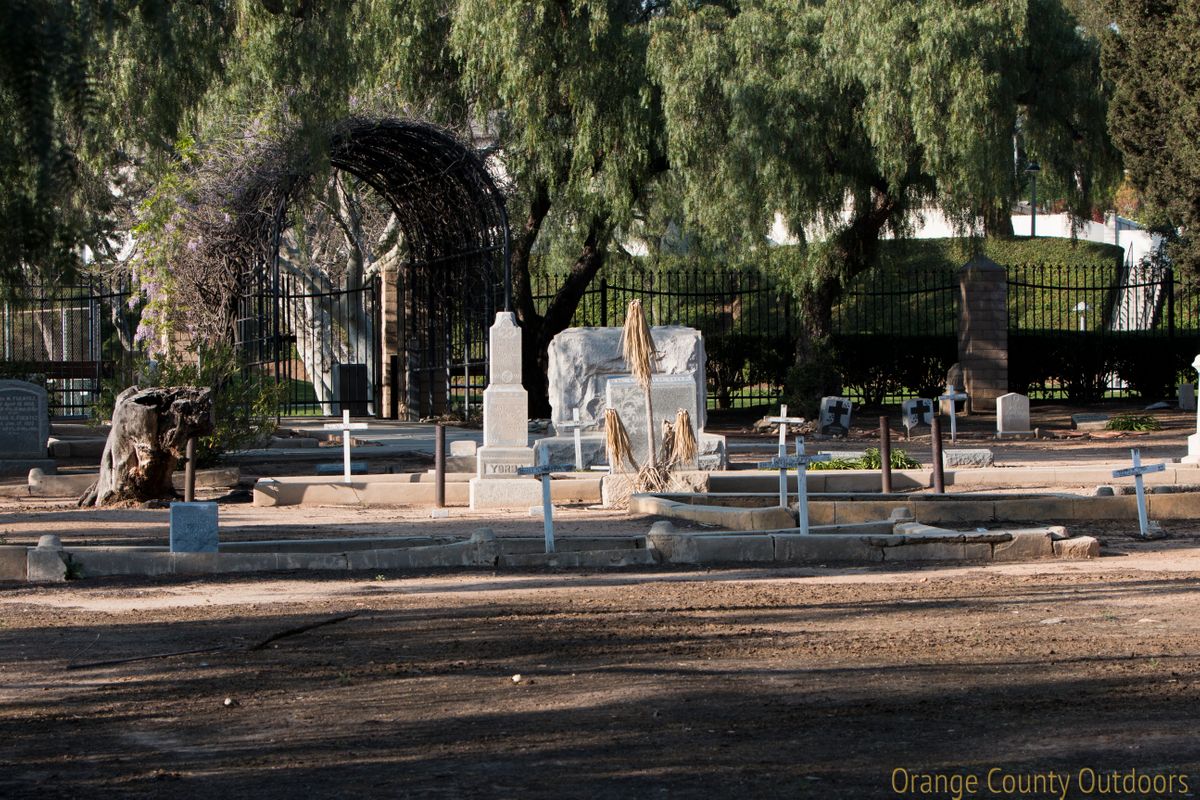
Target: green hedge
1079, 363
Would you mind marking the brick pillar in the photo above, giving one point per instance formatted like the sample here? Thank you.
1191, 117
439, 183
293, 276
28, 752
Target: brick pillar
983, 331
390, 337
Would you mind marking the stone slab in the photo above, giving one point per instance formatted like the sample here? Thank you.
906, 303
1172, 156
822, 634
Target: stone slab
24, 421
1089, 422
506, 493
193, 528
1024, 546
45, 566
582, 360
824, 548
617, 487
14, 562
586, 559
967, 457
938, 551
668, 394
463, 447
505, 416
502, 462
1079, 547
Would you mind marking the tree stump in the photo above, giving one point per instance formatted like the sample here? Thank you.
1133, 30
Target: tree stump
150, 429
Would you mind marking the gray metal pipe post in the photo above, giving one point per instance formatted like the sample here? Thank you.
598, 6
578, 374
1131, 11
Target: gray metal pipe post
939, 476
885, 455
439, 466
189, 471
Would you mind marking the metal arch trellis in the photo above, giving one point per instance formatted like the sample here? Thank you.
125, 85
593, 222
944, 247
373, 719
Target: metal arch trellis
456, 273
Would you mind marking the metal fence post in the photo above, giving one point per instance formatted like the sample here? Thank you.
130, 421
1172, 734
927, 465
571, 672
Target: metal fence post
604, 302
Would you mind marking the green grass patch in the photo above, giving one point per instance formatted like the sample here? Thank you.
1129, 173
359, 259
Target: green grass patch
871, 459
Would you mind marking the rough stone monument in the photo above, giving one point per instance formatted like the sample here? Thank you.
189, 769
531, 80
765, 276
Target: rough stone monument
24, 428
505, 425
1012, 414
582, 363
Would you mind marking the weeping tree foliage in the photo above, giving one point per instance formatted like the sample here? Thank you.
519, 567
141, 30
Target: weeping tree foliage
1152, 56
599, 115
849, 118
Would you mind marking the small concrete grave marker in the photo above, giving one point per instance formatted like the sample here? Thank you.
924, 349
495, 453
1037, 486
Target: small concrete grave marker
575, 425
799, 462
345, 426
1187, 397
1012, 414
835, 416
1137, 471
1089, 422
194, 527
917, 411
951, 396
542, 471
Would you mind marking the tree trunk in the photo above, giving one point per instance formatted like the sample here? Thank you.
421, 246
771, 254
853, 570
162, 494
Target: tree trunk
150, 429
540, 329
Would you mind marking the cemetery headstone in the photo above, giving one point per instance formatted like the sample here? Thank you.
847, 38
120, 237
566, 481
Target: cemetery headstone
835, 416
1012, 413
1187, 397
668, 394
917, 411
194, 528
505, 404
24, 428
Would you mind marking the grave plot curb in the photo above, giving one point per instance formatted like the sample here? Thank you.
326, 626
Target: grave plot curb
734, 519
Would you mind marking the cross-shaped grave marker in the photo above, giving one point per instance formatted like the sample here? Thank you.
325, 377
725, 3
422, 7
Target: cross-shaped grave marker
1137, 471
345, 426
542, 472
783, 420
576, 425
800, 463
952, 396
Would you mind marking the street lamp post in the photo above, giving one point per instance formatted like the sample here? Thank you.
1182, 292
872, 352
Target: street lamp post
1032, 170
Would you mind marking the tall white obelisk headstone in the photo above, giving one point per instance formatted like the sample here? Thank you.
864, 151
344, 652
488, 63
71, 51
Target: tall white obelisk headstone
505, 425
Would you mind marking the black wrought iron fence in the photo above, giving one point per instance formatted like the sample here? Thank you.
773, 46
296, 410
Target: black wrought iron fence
68, 339
1106, 330
748, 319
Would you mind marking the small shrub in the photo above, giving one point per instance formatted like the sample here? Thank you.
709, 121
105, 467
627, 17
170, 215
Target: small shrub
870, 460
245, 401
1133, 422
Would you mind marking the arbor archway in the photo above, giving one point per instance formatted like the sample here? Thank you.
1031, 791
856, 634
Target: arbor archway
436, 304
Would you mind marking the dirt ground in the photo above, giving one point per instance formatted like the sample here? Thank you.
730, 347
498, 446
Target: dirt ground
823, 683
752, 683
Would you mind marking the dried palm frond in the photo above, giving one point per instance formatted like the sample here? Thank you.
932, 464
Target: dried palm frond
683, 443
616, 441
637, 346
652, 478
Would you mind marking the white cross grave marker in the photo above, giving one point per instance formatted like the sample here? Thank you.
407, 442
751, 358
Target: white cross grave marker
576, 424
1137, 471
542, 471
952, 396
800, 462
345, 426
783, 420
